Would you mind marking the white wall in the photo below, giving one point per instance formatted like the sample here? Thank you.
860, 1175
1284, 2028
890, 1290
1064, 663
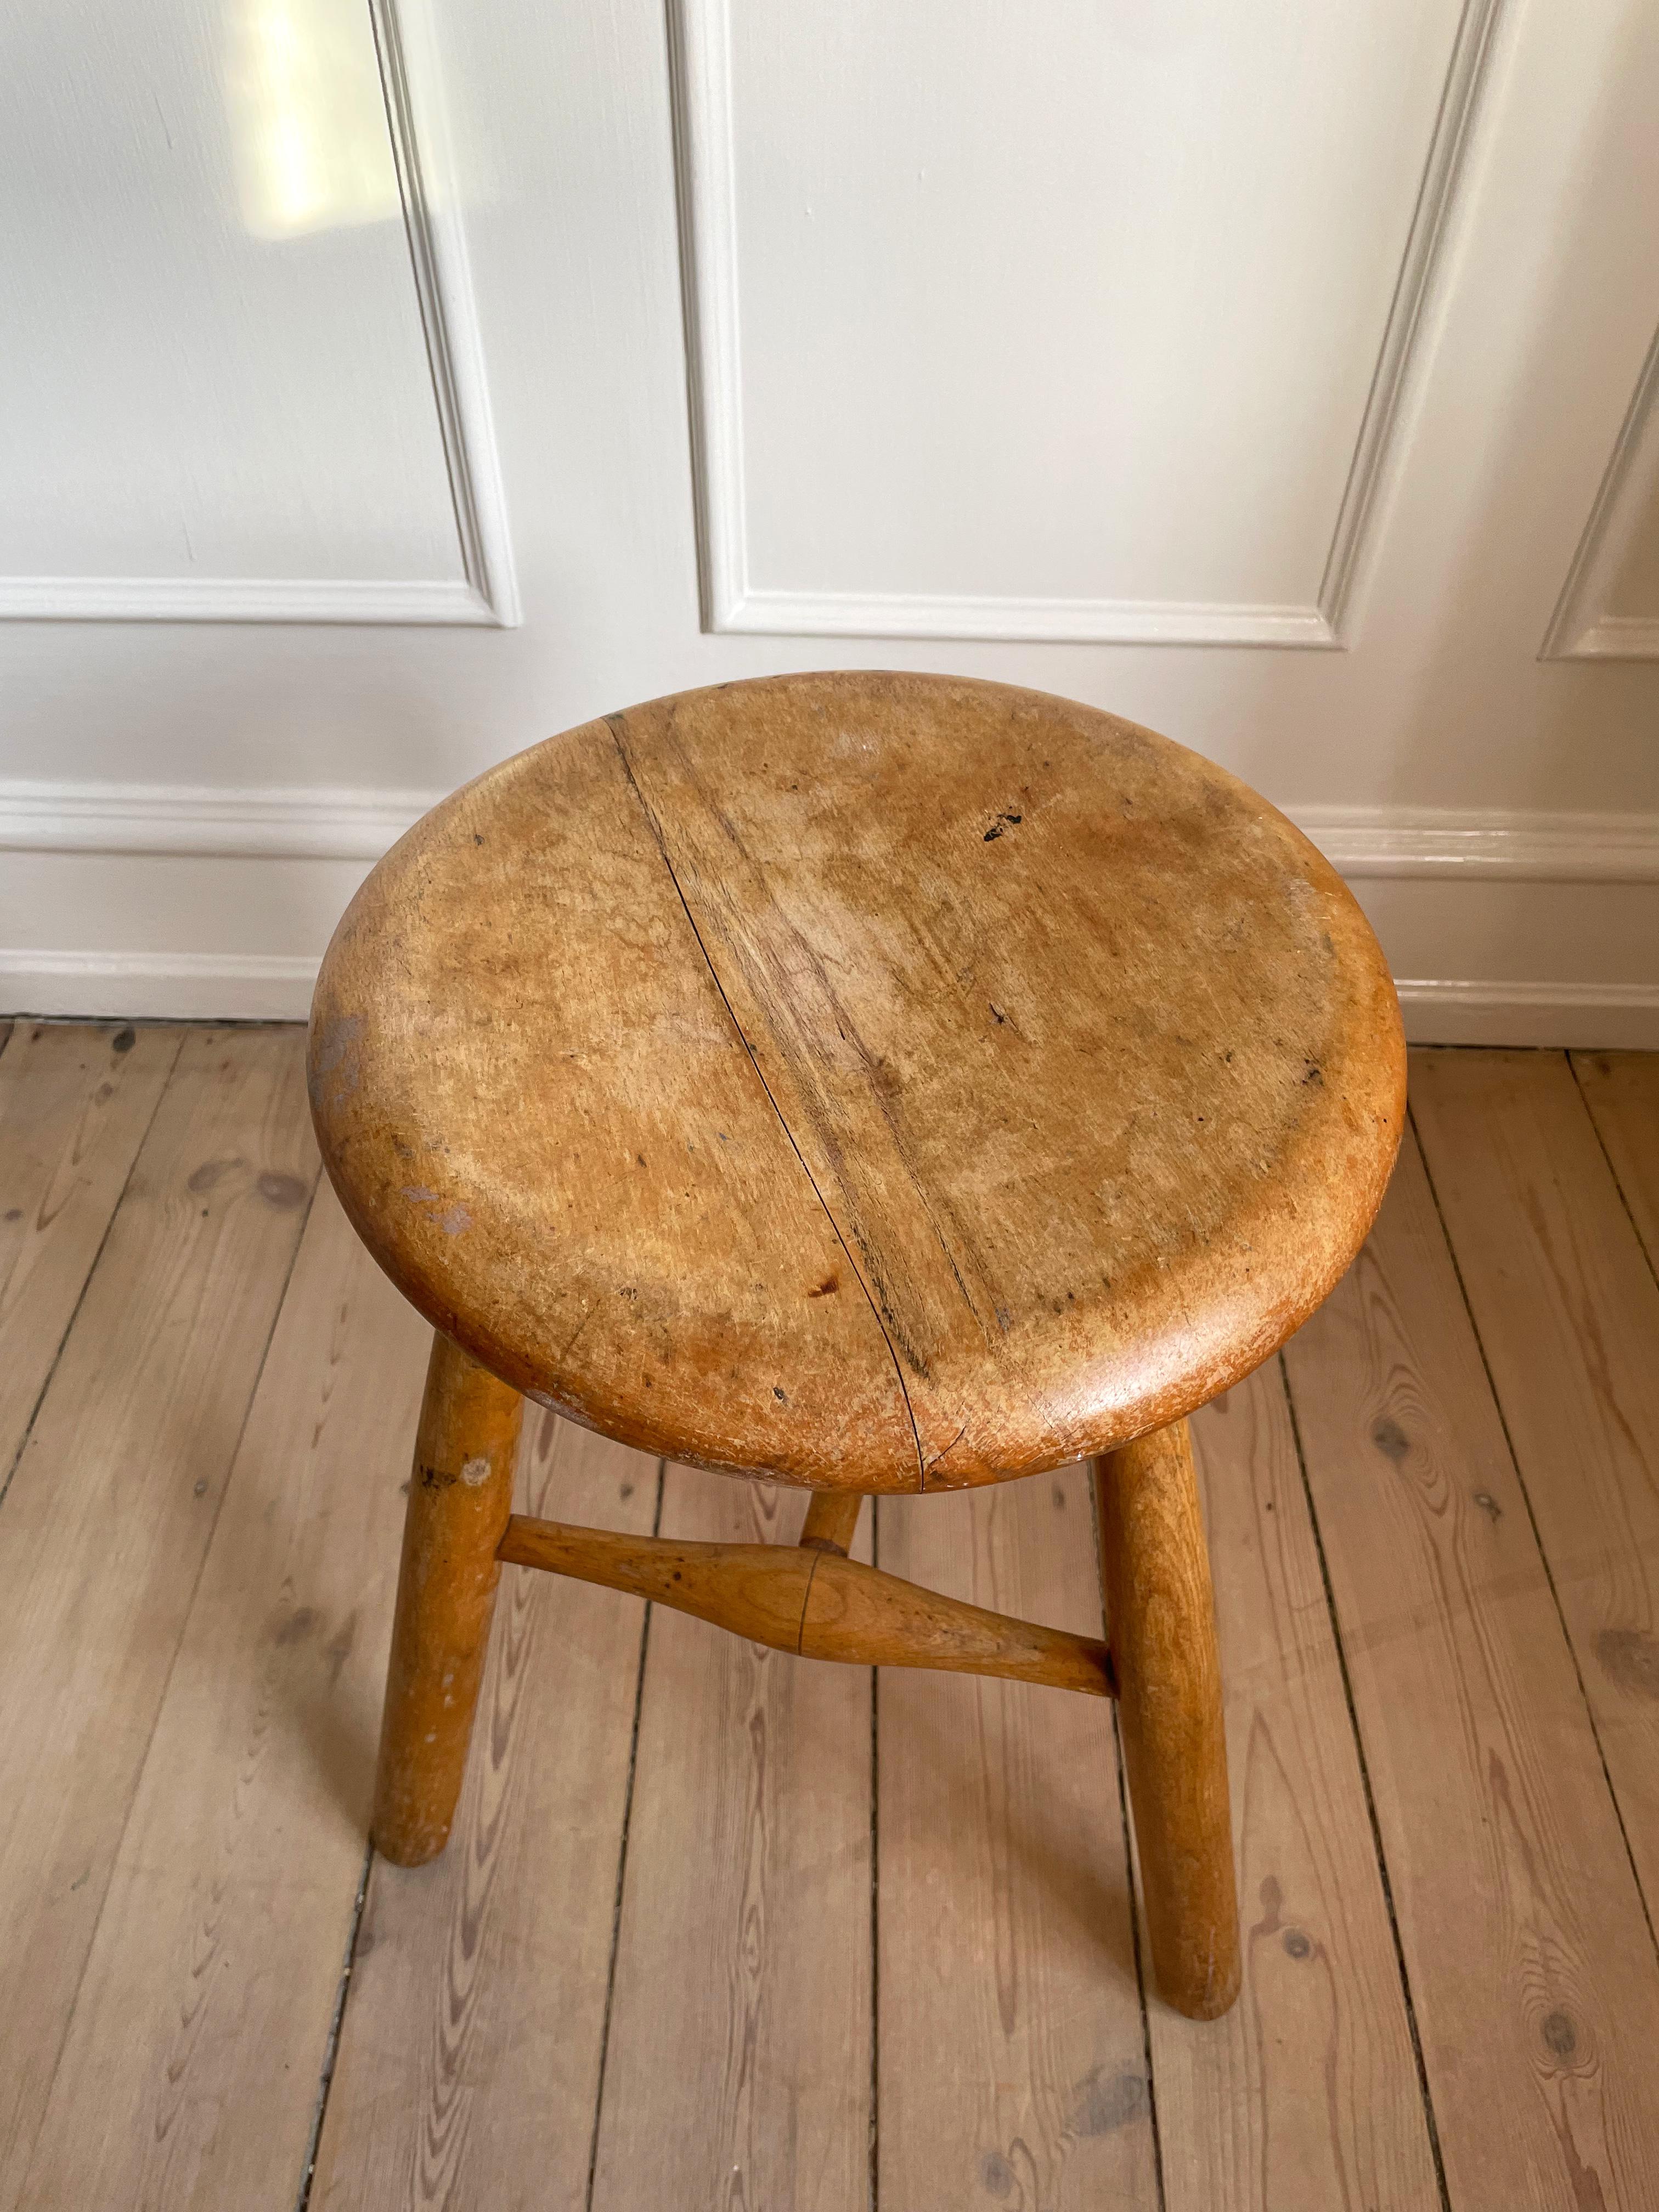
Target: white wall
1277, 376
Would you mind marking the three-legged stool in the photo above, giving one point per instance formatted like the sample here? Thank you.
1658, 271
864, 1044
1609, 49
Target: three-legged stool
871, 1083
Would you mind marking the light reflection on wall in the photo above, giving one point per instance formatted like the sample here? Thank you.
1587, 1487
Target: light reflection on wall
308, 116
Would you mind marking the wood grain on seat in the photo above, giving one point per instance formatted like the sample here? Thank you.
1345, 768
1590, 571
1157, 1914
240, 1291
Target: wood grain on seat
886, 1081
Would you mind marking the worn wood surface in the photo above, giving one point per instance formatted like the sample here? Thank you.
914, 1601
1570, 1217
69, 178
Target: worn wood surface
460, 1494
1011, 2053
75, 1100
1160, 1620
470, 2052
933, 1081
738, 2068
1549, 1258
814, 1603
231, 1903
1305, 2096
109, 1514
1531, 1966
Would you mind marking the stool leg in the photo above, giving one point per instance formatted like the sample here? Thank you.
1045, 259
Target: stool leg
460, 1494
1160, 1617
832, 1519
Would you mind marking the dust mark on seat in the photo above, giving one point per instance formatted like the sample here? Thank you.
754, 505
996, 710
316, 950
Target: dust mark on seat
453, 1220
335, 1054
615, 724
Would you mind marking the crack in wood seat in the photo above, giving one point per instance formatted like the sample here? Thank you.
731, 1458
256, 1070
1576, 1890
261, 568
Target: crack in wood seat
886, 1081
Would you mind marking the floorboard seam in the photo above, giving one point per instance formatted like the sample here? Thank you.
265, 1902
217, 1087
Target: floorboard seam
1537, 1538
1652, 1260
1381, 1855
1141, 1964
621, 1869
127, 1184
337, 2024
1128, 1859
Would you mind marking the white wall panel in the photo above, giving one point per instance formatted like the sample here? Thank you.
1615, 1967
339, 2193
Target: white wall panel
1084, 325
217, 399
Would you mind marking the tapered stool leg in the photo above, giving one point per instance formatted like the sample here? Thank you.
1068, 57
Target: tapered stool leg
1160, 1616
460, 1494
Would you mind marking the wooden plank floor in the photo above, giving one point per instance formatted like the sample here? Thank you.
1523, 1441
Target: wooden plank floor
720, 1928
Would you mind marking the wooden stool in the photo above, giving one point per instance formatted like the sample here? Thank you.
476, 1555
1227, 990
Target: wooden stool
873, 1083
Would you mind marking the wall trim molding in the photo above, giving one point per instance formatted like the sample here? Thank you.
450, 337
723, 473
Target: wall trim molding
486, 592
1060, 621
245, 599
700, 45
323, 823
411, 77
1581, 628
327, 821
1615, 637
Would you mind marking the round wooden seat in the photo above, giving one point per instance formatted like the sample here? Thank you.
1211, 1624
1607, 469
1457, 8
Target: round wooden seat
881, 1081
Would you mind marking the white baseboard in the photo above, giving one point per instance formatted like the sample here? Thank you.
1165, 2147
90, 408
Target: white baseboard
163, 986
1440, 843
1606, 1017
169, 845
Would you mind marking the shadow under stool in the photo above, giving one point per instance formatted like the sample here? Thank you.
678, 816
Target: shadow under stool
874, 1083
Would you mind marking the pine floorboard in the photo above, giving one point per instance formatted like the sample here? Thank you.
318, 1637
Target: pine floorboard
1621, 1091
470, 2051
718, 1928
230, 1907
740, 2058
1308, 2092
1530, 1967
1567, 1311
75, 1103
109, 1515
1012, 2063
